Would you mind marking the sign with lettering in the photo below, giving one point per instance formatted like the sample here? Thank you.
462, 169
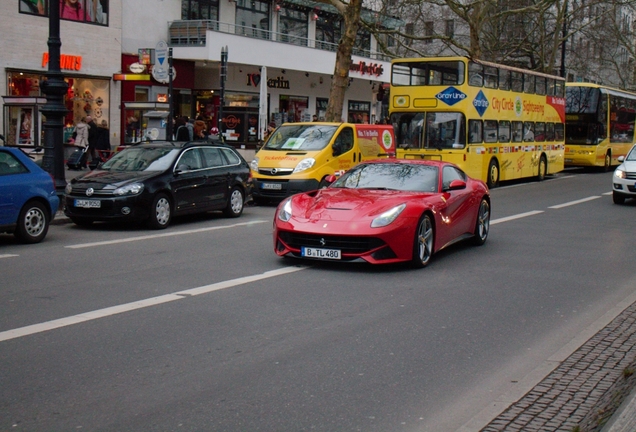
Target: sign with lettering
67, 62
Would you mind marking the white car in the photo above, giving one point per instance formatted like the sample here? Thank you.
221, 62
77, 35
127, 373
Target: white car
624, 179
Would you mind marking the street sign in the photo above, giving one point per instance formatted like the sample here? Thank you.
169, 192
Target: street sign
161, 54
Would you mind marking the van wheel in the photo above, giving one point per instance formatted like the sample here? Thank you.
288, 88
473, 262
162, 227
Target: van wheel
492, 181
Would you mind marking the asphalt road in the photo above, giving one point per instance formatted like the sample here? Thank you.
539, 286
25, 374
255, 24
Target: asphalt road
202, 327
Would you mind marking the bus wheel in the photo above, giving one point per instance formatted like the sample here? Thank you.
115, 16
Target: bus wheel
543, 168
607, 165
493, 174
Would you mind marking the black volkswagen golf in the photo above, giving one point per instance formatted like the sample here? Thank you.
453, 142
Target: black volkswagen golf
155, 182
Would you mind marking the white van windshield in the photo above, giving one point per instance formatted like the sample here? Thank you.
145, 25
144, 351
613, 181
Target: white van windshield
301, 137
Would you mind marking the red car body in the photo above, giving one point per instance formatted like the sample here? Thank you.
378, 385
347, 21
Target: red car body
340, 218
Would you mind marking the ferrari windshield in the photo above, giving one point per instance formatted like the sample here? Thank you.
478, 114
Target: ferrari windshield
390, 176
142, 159
301, 137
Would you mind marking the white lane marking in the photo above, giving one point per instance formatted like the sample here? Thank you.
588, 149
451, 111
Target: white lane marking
608, 193
571, 203
165, 234
531, 183
517, 216
139, 304
8, 255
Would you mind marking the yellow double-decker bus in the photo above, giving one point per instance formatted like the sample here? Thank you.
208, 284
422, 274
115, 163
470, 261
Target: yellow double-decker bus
599, 125
496, 122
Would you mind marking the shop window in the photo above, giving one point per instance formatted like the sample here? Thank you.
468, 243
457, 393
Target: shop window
321, 108
252, 18
23, 84
200, 10
295, 108
88, 11
359, 112
293, 26
328, 32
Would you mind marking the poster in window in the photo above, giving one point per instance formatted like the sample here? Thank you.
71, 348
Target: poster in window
74, 10
37, 7
25, 127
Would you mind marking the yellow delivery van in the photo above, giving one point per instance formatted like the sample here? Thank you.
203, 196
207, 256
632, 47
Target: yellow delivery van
298, 157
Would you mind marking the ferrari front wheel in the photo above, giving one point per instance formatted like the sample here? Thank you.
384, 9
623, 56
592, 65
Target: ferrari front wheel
482, 226
423, 242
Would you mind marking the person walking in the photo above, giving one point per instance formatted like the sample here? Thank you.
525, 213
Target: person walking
200, 130
81, 140
93, 134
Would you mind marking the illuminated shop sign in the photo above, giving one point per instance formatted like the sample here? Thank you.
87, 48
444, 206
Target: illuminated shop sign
369, 69
67, 62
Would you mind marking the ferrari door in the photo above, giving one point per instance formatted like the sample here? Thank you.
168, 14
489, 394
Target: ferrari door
457, 213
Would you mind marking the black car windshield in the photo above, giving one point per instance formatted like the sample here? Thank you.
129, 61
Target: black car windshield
301, 137
390, 176
142, 159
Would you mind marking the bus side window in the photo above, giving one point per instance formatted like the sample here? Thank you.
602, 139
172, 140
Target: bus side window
528, 131
516, 83
504, 131
539, 131
475, 128
475, 75
490, 131
517, 131
549, 131
559, 131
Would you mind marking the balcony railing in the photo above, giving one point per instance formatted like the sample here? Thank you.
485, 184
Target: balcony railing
193, 33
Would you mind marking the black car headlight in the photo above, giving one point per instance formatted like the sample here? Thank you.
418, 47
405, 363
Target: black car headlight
68, 189
129, 189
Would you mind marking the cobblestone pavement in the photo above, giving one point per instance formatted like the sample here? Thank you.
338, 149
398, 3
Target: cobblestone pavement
582, 393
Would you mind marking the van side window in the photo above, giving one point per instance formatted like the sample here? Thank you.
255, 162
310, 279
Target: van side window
344, 141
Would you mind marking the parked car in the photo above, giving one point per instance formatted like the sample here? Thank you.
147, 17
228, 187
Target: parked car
385, 211
28, 201
155, 182
624, 179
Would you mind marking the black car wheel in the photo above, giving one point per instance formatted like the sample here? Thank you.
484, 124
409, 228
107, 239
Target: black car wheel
482, 226
33, 223
160, 212
235, 203
423, 242
618, 198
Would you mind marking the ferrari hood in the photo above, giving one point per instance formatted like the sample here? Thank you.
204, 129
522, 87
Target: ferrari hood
348, 204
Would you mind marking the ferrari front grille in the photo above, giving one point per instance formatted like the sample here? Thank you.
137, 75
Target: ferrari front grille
347, 244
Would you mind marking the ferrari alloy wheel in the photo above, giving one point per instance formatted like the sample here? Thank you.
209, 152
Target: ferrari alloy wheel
160, 212
423, 242
33, 223
235, 203
482, 226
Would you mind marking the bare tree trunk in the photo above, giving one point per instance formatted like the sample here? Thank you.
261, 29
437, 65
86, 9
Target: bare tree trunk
340, 80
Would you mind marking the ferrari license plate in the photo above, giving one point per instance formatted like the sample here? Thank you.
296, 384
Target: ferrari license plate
320, 253
274, 186
88, 203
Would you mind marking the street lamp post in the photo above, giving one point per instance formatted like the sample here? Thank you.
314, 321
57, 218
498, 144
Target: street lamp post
54, 88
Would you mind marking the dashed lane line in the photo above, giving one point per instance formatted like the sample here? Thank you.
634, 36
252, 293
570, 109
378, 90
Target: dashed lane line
165, 234
8, 255
140, 304
571, 203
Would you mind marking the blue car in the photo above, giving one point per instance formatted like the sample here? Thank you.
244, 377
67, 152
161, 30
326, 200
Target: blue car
28, 201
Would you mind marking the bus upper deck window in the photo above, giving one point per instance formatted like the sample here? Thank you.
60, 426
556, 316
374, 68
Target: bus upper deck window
540, 85
516, 83
475, 75
491, 77
528, 83
504, 79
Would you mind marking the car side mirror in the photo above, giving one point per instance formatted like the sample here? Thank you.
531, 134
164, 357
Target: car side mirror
330, 179
456, 185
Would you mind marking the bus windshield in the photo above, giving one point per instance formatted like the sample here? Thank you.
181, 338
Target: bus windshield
427, 73
581, 100
430, 130
301, 137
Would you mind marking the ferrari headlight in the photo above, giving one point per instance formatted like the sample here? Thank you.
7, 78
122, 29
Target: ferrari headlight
130, 189
254, 164
304, 164
388, 216
619, 173
285, 212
